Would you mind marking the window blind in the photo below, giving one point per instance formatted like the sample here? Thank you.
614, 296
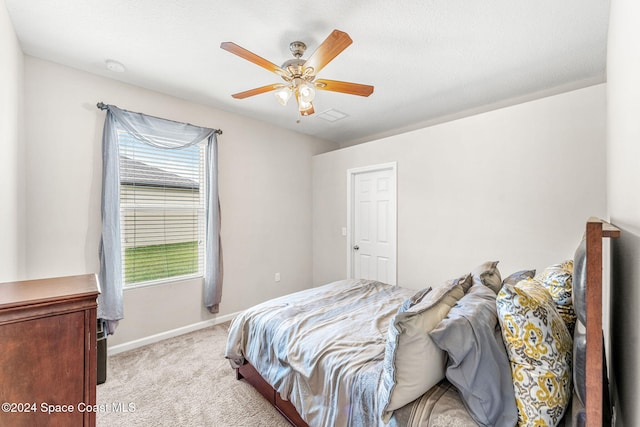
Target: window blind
162, 206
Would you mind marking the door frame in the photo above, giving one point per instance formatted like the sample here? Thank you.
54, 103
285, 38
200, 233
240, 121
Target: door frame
351, 177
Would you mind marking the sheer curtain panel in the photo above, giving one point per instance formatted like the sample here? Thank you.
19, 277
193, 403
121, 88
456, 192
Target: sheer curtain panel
165, 135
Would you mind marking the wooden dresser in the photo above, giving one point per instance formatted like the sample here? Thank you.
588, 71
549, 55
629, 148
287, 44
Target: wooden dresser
48, 352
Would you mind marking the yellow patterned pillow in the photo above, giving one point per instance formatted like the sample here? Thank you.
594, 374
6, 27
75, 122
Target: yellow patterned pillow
557, 280
539, 349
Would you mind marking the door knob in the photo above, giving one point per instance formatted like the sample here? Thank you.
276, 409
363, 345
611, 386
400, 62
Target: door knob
356, 247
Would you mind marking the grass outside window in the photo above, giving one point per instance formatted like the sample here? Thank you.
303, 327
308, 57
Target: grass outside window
146, 263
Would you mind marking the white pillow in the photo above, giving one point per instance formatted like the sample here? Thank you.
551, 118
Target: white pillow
413, 363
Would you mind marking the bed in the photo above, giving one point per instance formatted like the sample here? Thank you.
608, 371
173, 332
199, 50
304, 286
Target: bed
479, 349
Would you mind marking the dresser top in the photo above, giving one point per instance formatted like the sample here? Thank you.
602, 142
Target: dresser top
16, 294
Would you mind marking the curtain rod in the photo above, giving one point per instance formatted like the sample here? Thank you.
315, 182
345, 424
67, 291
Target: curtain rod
102, 106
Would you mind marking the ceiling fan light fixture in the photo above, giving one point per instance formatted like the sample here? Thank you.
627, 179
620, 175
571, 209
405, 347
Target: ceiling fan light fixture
283, 95
303, 106
305, 109
306, 91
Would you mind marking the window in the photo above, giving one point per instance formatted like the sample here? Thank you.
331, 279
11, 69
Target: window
162, 208
163, 214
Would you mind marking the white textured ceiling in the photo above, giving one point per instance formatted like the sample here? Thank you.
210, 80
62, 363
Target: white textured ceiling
429, 60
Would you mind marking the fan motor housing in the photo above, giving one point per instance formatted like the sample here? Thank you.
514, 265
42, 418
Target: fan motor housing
297, 48
294, 67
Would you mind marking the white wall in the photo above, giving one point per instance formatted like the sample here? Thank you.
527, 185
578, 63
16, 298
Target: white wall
623, 69
11, 182
515, 185
265, 192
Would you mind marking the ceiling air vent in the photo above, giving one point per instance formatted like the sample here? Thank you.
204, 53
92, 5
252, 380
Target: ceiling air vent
332, 115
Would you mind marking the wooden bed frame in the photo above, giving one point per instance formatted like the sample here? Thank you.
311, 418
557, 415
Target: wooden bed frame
597, 406
286, 408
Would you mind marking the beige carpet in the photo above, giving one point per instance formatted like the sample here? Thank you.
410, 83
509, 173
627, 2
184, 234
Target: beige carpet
182, 381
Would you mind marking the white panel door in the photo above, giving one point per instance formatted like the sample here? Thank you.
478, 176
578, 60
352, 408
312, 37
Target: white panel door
373, 250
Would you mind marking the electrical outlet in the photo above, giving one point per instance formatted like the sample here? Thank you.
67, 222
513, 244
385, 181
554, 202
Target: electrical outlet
277, 277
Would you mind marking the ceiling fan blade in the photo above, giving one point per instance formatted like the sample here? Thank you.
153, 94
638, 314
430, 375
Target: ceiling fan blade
250, 56
329, 49
344, 87
257, 91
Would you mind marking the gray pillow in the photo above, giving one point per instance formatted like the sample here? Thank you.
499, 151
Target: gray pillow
488, 274
478, 364
514, 278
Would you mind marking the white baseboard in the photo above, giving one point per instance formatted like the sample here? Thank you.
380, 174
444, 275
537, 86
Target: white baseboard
119, 348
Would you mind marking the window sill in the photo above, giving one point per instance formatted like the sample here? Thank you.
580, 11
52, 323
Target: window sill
158, 282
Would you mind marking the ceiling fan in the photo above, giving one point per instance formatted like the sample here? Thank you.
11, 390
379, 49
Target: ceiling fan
300, 74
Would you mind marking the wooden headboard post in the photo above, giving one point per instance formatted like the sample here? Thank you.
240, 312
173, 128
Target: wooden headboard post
595, 366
